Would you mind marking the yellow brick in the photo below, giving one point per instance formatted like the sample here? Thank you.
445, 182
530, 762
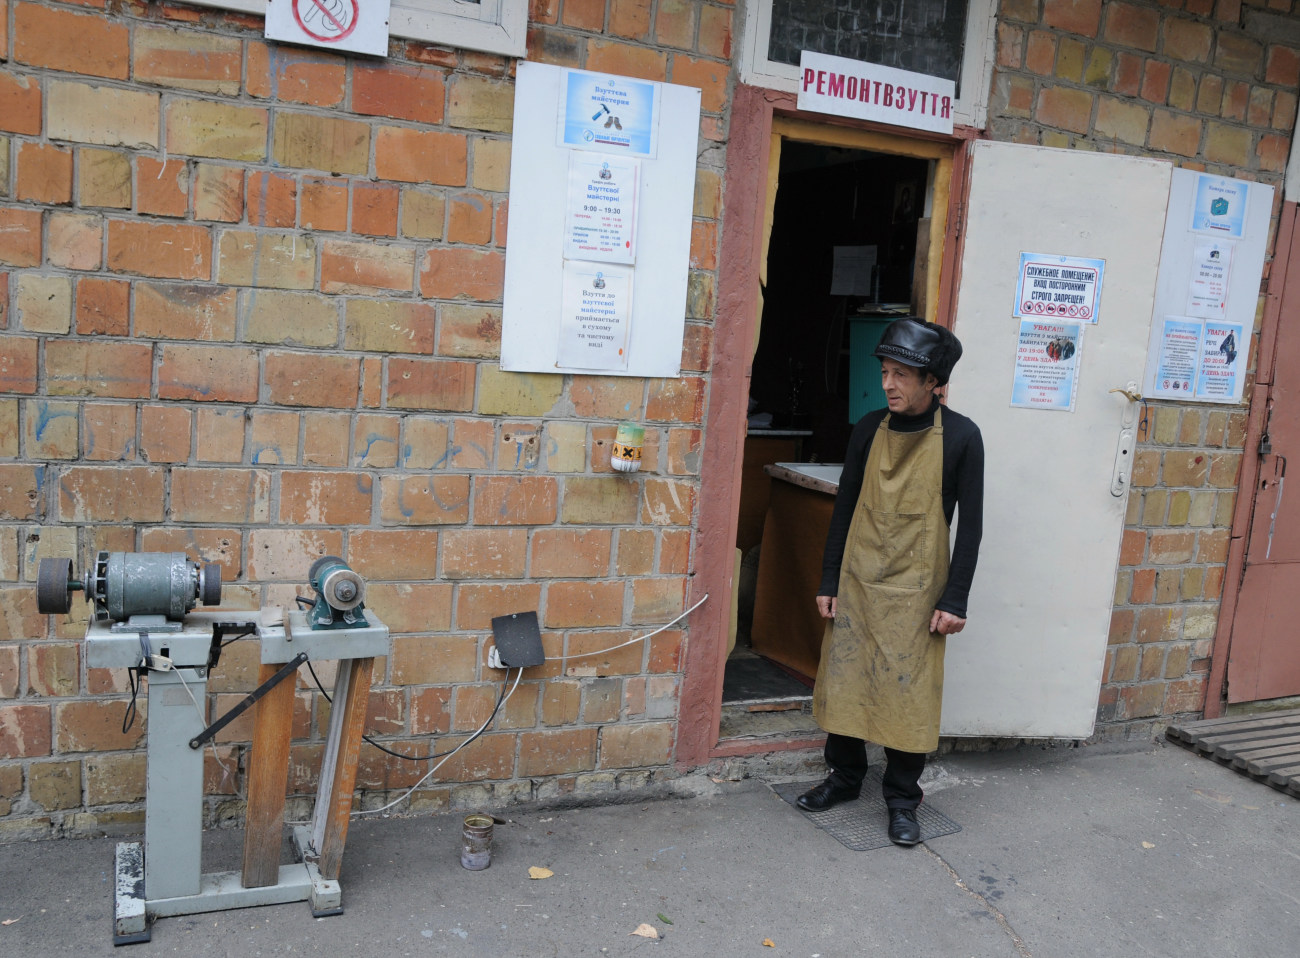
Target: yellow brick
44, 303
306, 141
82, 113
491, 165
480, 103
517, 394
389, 326
302, 319
423, 213
276, 260
222, 131
105, 179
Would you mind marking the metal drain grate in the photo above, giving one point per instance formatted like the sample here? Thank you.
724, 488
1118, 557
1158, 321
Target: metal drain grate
863, 824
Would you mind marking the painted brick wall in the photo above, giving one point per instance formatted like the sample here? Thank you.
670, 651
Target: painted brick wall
1211, 85
250, 309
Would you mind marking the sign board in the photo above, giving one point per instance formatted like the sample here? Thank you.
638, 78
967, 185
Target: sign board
602, 187
1211, 265
1059, 287
1047, 365
352, 25
868, 91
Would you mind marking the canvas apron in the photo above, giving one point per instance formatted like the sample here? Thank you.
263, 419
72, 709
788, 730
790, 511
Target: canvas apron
881, 672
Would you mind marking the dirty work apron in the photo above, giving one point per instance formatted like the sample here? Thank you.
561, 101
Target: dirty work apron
881, 672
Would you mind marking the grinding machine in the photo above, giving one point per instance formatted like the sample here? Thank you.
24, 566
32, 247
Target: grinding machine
144, 621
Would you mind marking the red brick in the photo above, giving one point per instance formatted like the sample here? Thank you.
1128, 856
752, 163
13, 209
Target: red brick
53, 670
431, 384
294, 75
443, 658
515, 500
571, 553
44, 174
208, 373
624, 59
365, 267
305, 379
1283, 67
584, 604
380, 554
20, 103
1187, 41
286, 555
59, 39
449, 273
160, 250
708, 75
20, 237
421, 156
109, 431
271, 200
1040, 54
24, 731
1131, 26
1065, 109
111, 493
399, 91
222, 546
1155, 81
1140, 701
1273, 152
161, 187
1237, 54
18, 373
676, 400
218, 434
424, 500
325, 498
94, 727
469, 218
22, 493
562, 752
469, 331
1073, 16
430, 711
715, 32
668, 502
323, 205
374, 209
1175, 133
478, 605
484, 553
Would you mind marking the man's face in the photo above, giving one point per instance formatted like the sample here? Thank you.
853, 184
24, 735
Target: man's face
907, 389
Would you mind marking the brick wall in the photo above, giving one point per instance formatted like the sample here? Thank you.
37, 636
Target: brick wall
1211, 86
250, 309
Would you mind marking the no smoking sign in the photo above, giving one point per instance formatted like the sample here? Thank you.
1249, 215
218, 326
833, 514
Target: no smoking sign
359, 26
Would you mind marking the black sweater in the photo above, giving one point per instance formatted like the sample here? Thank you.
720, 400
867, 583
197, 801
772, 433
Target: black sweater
963, 488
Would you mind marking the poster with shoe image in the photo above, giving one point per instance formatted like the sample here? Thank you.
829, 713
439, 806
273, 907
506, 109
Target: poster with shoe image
612, 114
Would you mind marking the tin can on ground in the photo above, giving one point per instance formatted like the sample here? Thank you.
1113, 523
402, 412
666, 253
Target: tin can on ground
625, 456
476, 842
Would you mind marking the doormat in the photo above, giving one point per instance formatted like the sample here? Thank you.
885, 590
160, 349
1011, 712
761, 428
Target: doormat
1265, 746
863, 824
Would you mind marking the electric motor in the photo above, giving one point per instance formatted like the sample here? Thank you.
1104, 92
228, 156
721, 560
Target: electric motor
123, 584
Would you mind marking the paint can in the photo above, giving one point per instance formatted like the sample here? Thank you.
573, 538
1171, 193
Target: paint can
476, 842
625, 456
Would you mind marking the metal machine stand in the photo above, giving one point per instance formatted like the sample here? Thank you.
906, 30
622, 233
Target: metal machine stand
162, 876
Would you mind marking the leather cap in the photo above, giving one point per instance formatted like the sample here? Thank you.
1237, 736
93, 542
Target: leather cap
927, 346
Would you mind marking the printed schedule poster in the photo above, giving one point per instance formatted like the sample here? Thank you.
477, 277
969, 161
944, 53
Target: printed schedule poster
1221, 361
1219, 206
600, 222
596, 316
1180, 348
1047, 365
610, 114
1207, 295
1060, 287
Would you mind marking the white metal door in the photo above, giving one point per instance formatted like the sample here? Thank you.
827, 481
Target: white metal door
1029, 663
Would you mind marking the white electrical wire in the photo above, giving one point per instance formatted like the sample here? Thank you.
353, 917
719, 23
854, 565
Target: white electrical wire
639, 638
406, 794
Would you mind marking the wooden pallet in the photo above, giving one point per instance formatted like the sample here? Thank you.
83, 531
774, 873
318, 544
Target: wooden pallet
1265, 746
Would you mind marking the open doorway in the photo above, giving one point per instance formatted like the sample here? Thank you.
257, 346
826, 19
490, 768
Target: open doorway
852, 246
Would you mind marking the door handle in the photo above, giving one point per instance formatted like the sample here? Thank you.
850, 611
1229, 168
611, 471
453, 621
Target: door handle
1122, 473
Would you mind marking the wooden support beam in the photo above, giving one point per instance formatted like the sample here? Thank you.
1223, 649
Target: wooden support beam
339, 770
268, 776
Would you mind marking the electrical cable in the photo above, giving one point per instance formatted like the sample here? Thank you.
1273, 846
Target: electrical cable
406, 794
640, 638
408, 758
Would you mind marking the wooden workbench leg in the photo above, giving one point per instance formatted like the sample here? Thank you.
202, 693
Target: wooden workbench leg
334, 802
268, 776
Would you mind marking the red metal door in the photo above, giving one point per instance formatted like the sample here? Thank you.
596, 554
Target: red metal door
1264, 653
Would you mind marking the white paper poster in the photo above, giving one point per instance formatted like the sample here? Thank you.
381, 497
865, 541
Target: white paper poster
1047, 365
600, 219
1180, 348
1207, 295
613, 114
1060, 287
596, 317
853, 269
1221, 361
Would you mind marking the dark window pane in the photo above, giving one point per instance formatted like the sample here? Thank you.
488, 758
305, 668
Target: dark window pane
924, 36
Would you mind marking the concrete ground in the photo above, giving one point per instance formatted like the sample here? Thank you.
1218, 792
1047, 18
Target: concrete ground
1105, 850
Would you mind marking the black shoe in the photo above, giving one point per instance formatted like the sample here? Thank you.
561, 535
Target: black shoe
824, 796
904, 829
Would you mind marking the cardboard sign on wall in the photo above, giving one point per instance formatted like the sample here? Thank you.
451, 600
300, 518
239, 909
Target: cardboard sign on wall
602, 184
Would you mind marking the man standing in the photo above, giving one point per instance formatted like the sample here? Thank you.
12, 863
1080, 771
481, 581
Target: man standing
889, 585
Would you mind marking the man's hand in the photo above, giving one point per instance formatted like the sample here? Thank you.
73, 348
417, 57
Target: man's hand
945, 623
826, 606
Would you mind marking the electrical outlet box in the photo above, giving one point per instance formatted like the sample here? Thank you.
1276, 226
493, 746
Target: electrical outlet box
518, 641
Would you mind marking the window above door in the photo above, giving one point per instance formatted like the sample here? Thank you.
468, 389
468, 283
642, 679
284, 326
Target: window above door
948, 38
490, 26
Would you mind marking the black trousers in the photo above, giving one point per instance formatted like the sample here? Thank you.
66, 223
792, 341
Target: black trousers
847, 758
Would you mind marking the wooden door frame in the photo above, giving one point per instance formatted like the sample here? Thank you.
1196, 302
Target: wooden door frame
1286, 249
746, 196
